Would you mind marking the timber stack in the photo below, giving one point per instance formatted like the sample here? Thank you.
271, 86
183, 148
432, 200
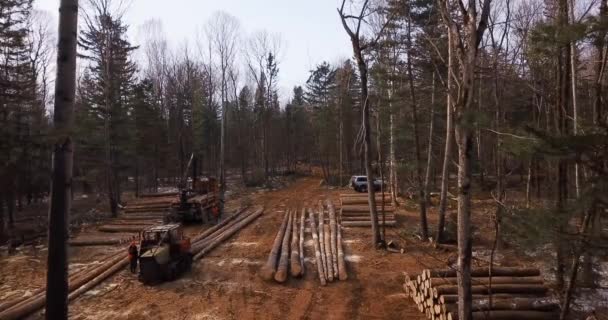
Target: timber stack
85, 279
510, 293
354, 210
286, 256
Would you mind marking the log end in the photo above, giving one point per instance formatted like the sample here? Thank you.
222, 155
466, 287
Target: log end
280, 276
296, 270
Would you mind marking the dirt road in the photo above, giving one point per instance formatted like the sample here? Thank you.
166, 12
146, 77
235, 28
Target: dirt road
225, 284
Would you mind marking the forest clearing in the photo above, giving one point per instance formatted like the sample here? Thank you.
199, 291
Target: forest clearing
417, 159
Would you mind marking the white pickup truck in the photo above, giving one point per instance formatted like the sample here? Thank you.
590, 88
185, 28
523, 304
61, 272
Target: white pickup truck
359, 183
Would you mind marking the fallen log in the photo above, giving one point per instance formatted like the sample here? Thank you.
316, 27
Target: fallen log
342, 274
316, 245
134, 222
218, 226
329, 267
516, 304
140, 218
110, 228
453, 298
365, 209
434, 282
98, 279
499, 288
158, 195
268, 270
36, 302
282, 269
333, 238
302, 237
509, 315
229, 232
295, 265
484, 272
320, 212
328, 251
348, 201
97, 242
388, 223
364, 218
204, 241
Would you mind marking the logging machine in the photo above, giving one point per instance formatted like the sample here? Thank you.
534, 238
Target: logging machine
197, 201
164, 254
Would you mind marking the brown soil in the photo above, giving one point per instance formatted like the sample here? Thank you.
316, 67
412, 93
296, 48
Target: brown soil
225, 284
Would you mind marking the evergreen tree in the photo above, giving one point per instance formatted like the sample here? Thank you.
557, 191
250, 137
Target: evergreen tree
108, 93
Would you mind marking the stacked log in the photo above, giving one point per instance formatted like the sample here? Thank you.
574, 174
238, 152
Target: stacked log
84, 280
327, 242
354, 210
511, 293
287, 255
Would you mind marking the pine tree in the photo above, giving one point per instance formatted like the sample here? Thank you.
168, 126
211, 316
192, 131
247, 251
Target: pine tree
109, 91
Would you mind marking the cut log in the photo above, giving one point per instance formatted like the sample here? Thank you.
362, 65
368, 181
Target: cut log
268, 270
97, 242
517, 304
302, 237
434, 282
333, 237
283, 267
366, 223
484, 272
316, 245
342, 274
453, 298
295, 267
348, 201
329, 267
218, 226
203, 242
110, 228
320, 211
328, 252
140, 218
364, 218
350, 208
227, 233
510, 315
36, 302
499, 288
158, 195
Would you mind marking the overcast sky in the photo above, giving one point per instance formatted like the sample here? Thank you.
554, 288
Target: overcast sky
310, 29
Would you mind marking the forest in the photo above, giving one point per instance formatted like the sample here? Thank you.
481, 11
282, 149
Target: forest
450, 103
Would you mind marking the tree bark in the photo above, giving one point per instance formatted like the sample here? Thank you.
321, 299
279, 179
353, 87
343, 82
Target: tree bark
447, 155
61, 184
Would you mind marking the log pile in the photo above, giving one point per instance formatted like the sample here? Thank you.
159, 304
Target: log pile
151, 204
354, 210
327, 243
84, 280
287, 255
511, 293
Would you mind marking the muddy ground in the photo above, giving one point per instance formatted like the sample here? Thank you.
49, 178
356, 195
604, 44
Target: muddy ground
225, 284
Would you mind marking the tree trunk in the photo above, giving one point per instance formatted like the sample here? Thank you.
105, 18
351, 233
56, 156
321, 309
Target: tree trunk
61, 184
465, 150
422, 196
447, 155
429, 155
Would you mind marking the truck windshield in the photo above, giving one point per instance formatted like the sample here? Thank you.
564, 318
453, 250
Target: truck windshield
362, 179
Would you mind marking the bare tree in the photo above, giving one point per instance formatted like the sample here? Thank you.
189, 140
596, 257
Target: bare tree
465, 44
353, 26
61, 181
223, 31
262, 59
